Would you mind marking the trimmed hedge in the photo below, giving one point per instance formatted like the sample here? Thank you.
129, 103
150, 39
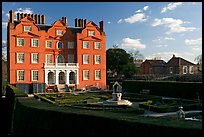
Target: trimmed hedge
188, 90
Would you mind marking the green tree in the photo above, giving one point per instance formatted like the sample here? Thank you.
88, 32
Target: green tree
129, 70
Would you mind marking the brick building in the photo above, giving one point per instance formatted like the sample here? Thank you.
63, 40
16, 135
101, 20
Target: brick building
55, 54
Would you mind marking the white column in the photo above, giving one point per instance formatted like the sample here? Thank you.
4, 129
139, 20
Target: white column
67, 76
56, 77
46, 76
77, 76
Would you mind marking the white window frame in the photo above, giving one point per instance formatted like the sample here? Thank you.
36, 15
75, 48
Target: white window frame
185, 68
97, 77
33, 75
91, 33
60, 32
28, 28
18, 61
191, 69
86, 46
47, 58
70, 58
95, 45
47, 43
84, 59
18, 78
33, 42
84, 75
170, 70
58, 45
20, 39
32, 56
96, 59
70, 45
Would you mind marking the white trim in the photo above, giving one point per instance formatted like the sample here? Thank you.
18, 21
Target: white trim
84, 77
46, 44
32, 58
191, 69
17, 54
58, 57
57, 32
33, 75
95, 59
33, 43
62, 45
17, 71
184, 69
47, 57
95, 44
23, 41
98, 78
84, 61
91, 33
26, 29
84, 45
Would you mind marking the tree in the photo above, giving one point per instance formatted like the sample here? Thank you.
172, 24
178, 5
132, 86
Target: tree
129, 70
136, 55
199, 59
117, 59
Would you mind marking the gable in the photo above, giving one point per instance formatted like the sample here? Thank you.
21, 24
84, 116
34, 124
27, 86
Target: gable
26, 34
90, 38
58, 23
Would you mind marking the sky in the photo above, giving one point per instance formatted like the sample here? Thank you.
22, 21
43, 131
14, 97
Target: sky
155, 29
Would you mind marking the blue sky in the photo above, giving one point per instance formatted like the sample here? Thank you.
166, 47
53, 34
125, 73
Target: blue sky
156, 29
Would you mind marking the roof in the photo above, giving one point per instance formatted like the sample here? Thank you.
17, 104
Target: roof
156, 63
43, 27
178, 61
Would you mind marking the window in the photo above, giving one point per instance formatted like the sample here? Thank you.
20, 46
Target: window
91, 33
71, 58
97, 59
97, 74
86, 59
70, 45
185, 69
20, 41
35, 57
48, 44
27, 28
86, 75
97, 45
59, 45
59, 32
20, 57
34, 75
191, 69
35, 42
171, 70
48, 58
60, 59
85, 44
20, 75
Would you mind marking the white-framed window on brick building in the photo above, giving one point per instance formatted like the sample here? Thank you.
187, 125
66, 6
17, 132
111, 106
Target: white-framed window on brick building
20, 75
60, 45
70, 58
170, 70
191, 69
97, 45
86, 59
60, 32
91, 33
185, 69
35, 75
35, 43
70, 45
85, 44
86, 74
35, 57
20, 41
20, 57
48, 58
27, 28
97, 59
97, 74
48, 43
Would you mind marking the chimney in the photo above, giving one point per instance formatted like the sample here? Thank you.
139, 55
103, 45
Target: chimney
11, 16
21, 16
101, 23
79, 22
173, 56
36, 18
25, 15
43, 19
18, 16
85, 22
66, 21
28, 15
76, 22
32, 16
82, 23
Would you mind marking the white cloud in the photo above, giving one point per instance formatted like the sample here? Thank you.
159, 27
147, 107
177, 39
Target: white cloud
120, 21
109, 22
138, 11
174, 25
169, 38
2, 12
171, 6
4, 43
140, 17
25, 10
4, 25
128, 43
159, 46
193, 41
195, 48
145, 8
